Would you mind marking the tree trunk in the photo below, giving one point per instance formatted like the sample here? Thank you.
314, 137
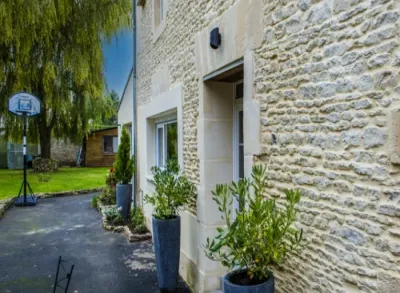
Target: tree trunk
45, 142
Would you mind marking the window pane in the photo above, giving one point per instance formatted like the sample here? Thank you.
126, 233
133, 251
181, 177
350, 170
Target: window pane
241, 161
160, 146
108, 144
172, 141
161, 10
240, 126
115, 144
239, 91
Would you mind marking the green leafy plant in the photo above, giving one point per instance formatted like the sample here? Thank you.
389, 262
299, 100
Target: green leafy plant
138, 221
124, 164
95, 201
44, 177
42, 165
173, 190
261, 236
108, 196
113, 216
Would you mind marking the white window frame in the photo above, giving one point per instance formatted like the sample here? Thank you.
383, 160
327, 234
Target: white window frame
158, 28
113, 138
162, 125
238, 106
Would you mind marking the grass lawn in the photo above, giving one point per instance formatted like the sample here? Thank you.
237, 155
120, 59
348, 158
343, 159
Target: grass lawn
63, 180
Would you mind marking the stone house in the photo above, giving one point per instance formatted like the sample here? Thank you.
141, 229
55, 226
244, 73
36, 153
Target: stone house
309, 87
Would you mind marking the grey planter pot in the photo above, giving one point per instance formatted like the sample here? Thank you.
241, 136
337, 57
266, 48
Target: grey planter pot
124, 199
266, 287
167, 241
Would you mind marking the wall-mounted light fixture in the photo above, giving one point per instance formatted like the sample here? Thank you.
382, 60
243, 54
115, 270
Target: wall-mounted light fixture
215, 38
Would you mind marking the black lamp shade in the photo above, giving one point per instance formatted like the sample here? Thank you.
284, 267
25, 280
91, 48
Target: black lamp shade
215, 38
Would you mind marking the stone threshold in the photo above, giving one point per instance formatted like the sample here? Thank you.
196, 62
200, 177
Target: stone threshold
7, 203
124, 229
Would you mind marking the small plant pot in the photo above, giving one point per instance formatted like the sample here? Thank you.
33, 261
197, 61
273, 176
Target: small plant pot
124, 199
232, 284
166, 239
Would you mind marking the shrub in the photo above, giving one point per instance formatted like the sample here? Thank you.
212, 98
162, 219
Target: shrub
110, 177
173, 191
94, 202
44, 177
40, 165
114, 216
261, 235
124, 164
108, 196
138, 221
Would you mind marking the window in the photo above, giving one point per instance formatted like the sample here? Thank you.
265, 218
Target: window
158, 12
238, 142
166, 142
110, 144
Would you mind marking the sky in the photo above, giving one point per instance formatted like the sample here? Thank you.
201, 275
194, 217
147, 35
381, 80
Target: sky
118, 61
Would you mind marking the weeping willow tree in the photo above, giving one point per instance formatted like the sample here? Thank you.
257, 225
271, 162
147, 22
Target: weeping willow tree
52, 48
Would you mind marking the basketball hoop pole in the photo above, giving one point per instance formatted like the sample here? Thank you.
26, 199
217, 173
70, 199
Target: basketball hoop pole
24, 119
25, 184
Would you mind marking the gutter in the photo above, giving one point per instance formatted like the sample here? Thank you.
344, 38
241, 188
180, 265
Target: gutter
134, 122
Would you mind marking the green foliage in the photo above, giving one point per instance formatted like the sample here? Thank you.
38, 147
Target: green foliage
111, 116
138, 221
114, 216
95, 201
124, 164
66, 179
53, 49
108, 196
44, 177
41, 165
172, 190
261, 235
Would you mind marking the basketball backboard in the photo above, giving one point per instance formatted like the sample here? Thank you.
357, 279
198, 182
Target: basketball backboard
24, 103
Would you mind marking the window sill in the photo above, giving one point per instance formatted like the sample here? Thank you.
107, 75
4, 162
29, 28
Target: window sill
109, 154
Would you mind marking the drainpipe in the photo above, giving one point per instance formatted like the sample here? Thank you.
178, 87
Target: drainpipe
134, 122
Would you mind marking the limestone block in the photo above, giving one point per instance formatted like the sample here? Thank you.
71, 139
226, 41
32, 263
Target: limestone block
388, 283
394, 136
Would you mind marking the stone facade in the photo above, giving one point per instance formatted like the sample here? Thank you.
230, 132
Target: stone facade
64, 152
325, 80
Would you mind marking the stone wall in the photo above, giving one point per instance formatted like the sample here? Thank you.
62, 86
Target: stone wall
64, 152
327, 82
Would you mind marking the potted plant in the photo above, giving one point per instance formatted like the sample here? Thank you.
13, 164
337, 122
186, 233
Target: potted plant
173, 191
260, 237
124, 169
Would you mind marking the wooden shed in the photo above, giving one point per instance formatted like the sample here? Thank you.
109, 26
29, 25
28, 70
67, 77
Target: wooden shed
100, 147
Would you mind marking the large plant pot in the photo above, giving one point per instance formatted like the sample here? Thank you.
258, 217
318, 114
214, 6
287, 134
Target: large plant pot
167, 239
230, 287
124, 199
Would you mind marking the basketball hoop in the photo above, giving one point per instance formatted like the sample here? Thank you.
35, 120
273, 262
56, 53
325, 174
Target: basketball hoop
25, 105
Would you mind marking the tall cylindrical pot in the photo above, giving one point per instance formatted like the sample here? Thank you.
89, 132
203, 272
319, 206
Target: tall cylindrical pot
124, 199
167, 239
266, 287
